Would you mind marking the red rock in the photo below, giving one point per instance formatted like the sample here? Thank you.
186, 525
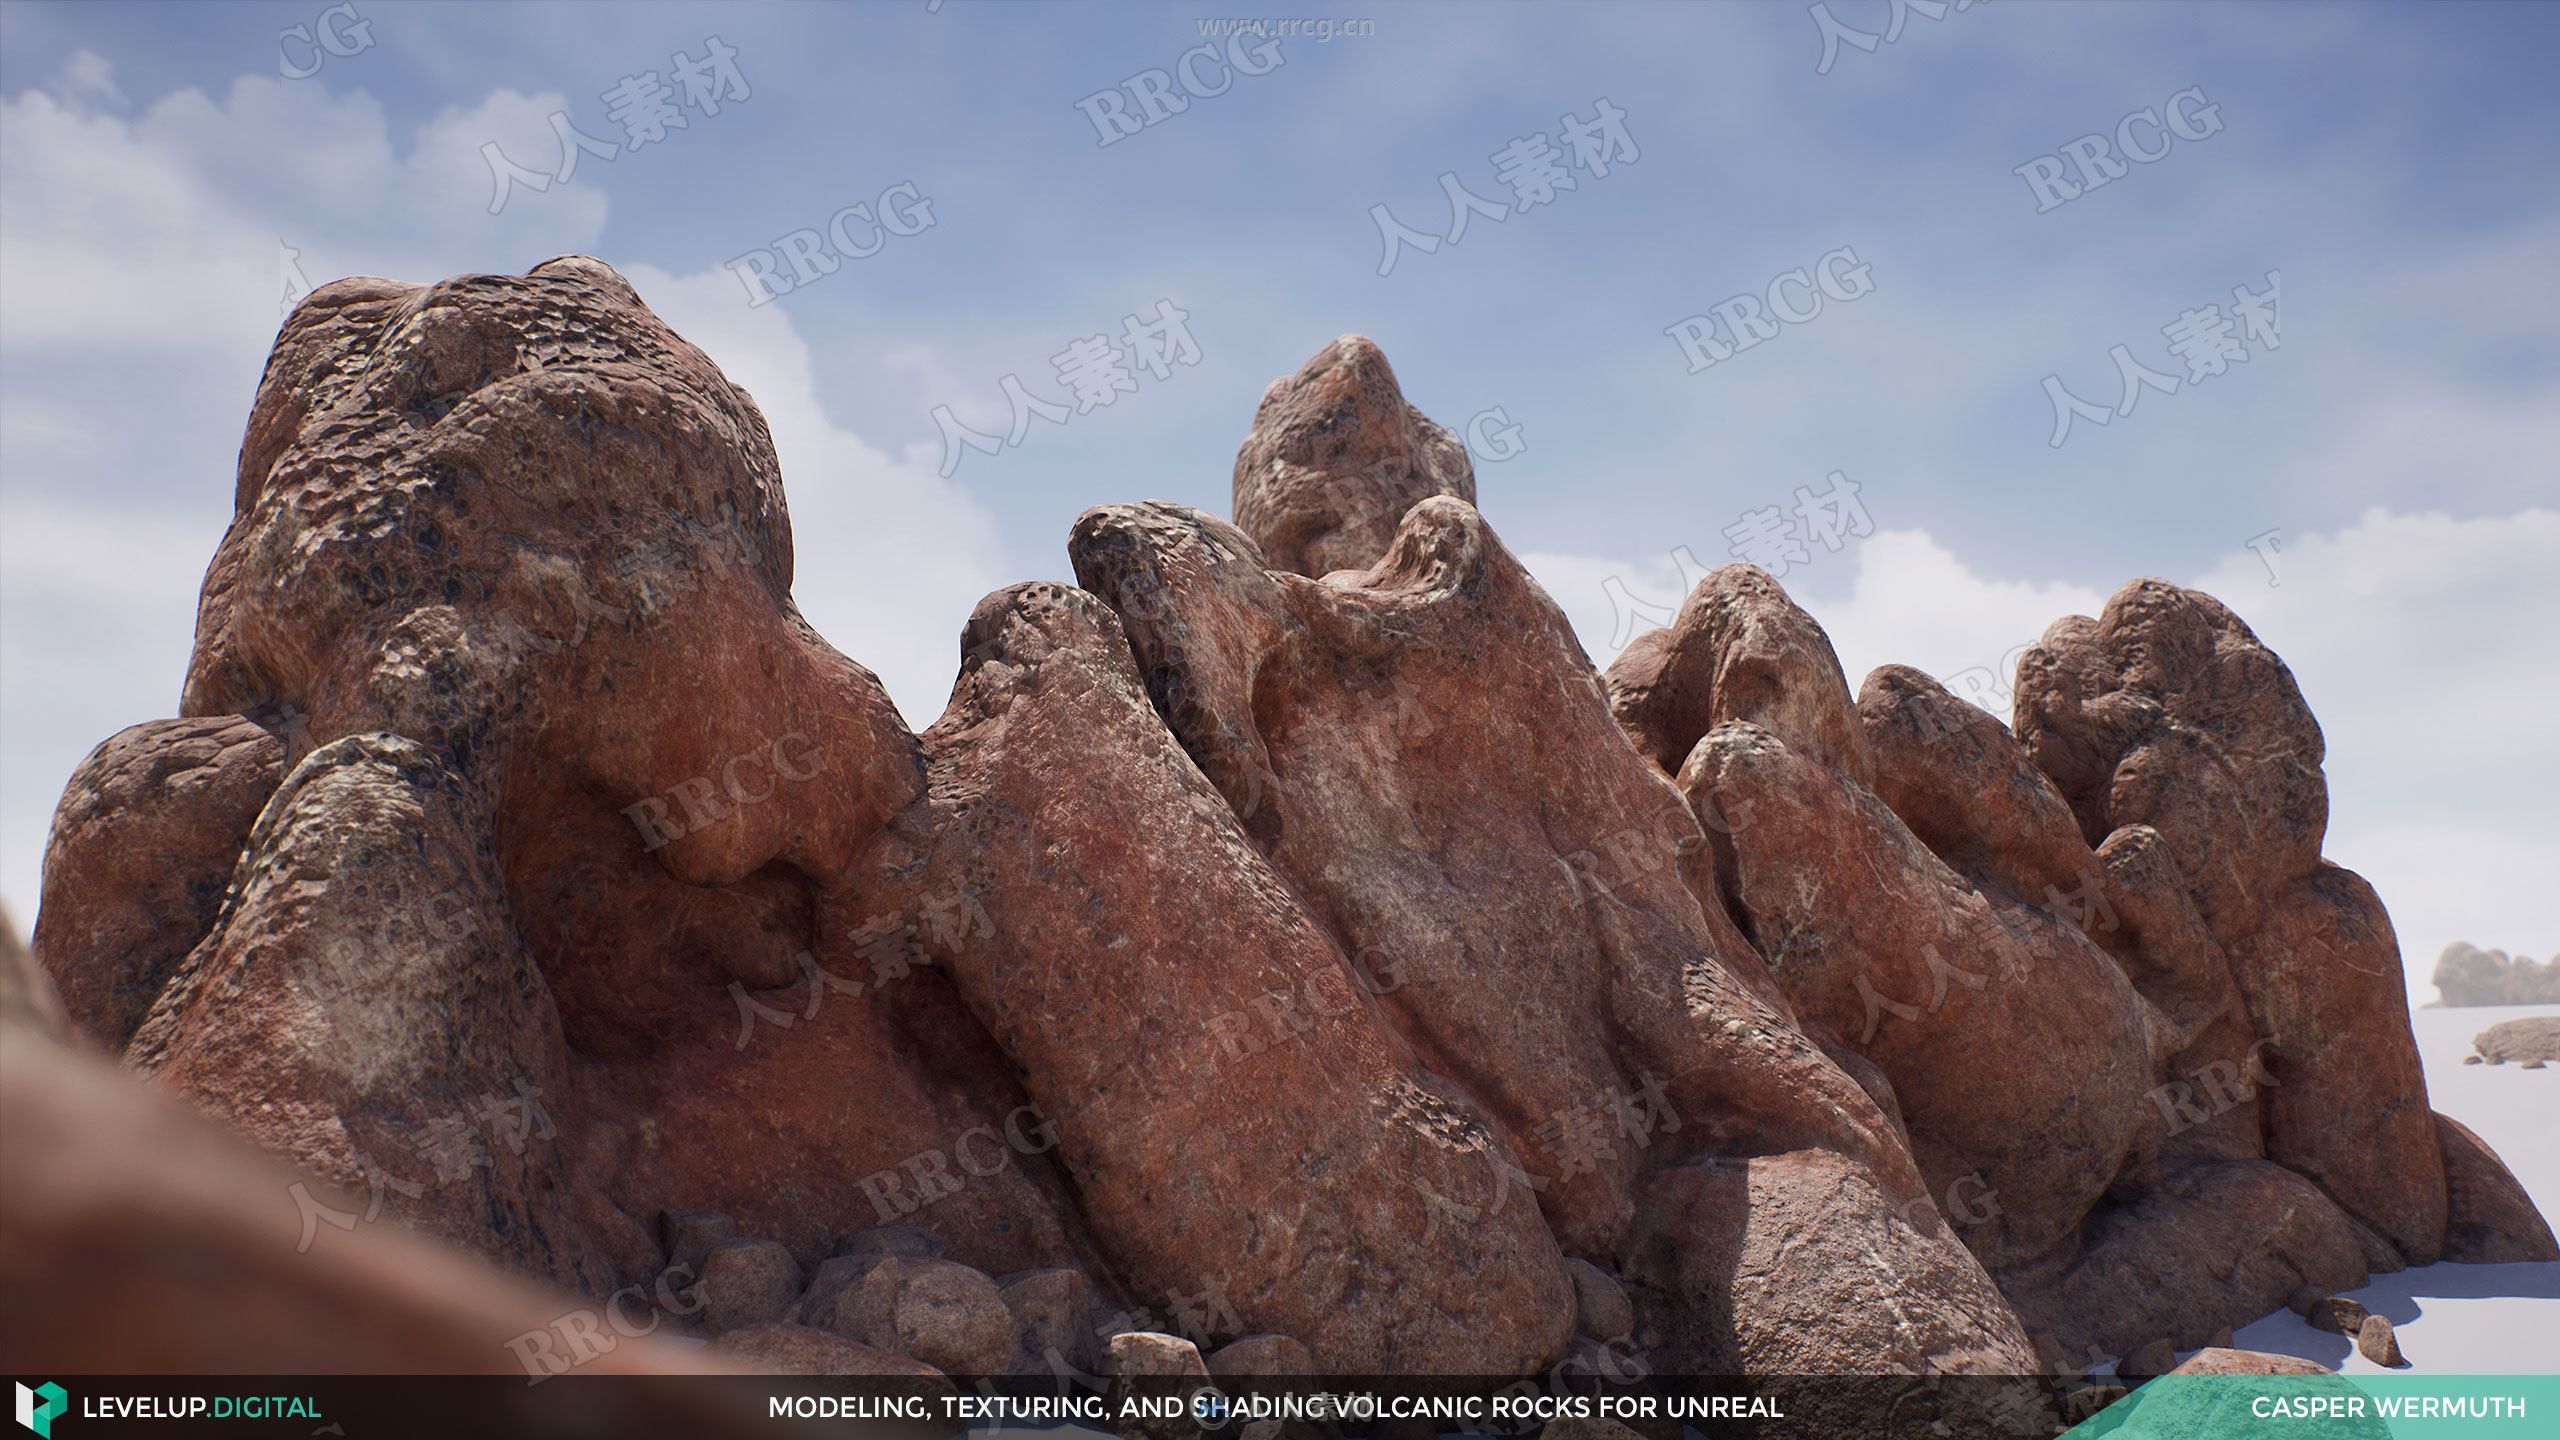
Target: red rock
1335, 460
2490, 1220
747, 1282
143, 847
268, 1284
1262, 1355
2212, 1245
1245, 930
2225, 1361
947, 1316
1133, 944
1796, 1264
1424, 751
1738, 650
2167, 712
1961, 995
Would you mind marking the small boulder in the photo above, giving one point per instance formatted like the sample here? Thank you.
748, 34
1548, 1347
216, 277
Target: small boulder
880, 1242
688, 1235
2376, 1342
2303, 1298
747, 1282
948, 1316
2148, 1362
1151, 1354
1262, 1355
1606, 1312
1053, 1316
827, 1284
2338, 1314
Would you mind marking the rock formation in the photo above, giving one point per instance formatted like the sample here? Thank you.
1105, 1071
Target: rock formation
1284, 950
2526, 1040
2467, 975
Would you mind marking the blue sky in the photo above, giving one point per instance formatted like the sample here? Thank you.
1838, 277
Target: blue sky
2396, 166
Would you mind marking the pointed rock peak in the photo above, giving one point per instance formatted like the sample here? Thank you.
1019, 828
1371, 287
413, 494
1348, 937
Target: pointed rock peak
1336, 458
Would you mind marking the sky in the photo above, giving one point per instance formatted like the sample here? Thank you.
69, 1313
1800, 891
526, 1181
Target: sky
2365, 465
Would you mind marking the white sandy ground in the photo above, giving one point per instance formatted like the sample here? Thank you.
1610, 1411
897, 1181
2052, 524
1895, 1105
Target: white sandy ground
2463, 1319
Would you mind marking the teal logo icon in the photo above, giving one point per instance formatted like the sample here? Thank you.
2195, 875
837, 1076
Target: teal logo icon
39, 1417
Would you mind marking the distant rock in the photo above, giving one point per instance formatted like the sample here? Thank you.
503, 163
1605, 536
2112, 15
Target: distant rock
2467, 975
2535, 1037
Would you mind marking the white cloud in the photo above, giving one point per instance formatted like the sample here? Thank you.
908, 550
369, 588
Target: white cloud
2425, 645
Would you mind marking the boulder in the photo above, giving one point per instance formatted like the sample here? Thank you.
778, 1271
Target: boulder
1601, 1302
2534, 1037
144, 842
2490, 1220
1152, 1355
1137, 935
1053, 1313
1254, 1355
880, 1242
1739, 649
2468, 975
2376, 1342
687, 1237
2339, 1315
1336, 458
747, 1282
2165, 711
948, 1316
2224, 1361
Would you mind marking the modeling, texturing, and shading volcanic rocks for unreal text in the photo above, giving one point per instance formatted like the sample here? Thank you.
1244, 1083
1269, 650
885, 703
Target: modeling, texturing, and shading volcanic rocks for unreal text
539, 981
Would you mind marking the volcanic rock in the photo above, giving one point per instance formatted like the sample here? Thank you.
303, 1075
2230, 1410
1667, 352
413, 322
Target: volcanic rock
688, 1236
1739, 649
2468, 975
1048, 768
2166, 711
1606, 1313
1336, 458
747, 1282
1264, 1355
2490, 1220
144, 843
1287, 933
2337, 1314
1053, 1313
2376, 1342
948, 1316
2226, 1361
2535, 1037
1462, 858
